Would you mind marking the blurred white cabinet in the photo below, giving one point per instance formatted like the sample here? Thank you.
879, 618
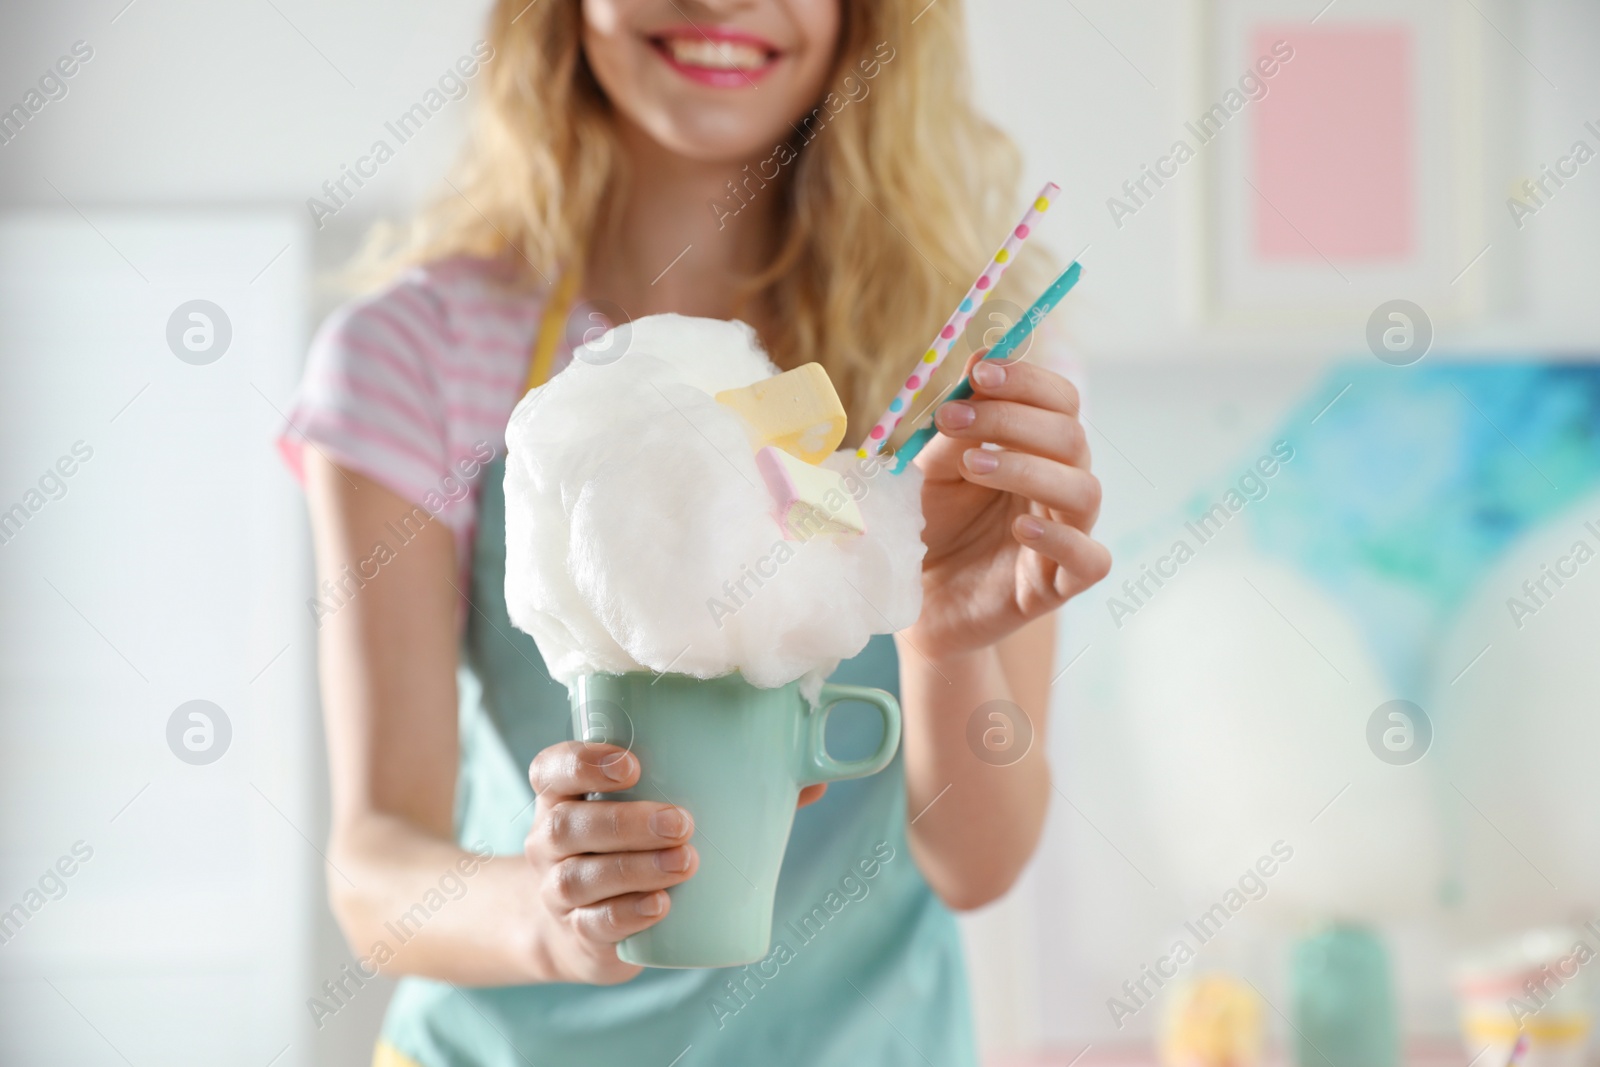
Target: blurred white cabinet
170, 566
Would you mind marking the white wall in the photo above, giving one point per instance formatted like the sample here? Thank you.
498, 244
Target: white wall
188, 103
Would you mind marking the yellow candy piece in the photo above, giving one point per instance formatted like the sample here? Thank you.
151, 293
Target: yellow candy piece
809, 501
797, 411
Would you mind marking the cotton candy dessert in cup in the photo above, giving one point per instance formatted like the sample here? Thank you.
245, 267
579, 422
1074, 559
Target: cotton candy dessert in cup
693, 559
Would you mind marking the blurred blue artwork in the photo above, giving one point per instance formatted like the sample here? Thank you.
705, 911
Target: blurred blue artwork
1408, 483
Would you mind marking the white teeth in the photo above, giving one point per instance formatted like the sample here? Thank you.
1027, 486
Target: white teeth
716, 55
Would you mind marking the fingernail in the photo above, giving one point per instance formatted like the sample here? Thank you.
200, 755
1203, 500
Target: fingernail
673, 860
668, 823
651, 904
618, 768
981, 461
1030, 527
957, 415
989, 374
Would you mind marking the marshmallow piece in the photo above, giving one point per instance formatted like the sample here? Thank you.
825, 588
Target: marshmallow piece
810, 500
797, 411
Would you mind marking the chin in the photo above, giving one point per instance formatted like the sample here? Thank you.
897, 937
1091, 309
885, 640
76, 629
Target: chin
700, 134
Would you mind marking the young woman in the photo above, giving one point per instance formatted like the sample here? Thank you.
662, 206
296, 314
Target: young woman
815, 168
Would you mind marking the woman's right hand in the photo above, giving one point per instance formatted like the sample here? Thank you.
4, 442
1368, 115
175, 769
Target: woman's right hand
602, 865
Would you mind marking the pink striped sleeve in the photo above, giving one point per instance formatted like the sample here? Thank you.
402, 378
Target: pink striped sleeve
372, 398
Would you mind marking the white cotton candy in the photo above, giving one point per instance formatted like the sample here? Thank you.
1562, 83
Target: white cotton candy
640, 536
709, 354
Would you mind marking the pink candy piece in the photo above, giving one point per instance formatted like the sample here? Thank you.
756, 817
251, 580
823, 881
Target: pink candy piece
807, 501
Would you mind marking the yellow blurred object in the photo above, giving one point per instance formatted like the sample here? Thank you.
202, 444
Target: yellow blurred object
1213, 1021
386, 1055
1489, 1027
797, 411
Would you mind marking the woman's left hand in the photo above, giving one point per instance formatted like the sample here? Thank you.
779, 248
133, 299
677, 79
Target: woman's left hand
1007, 531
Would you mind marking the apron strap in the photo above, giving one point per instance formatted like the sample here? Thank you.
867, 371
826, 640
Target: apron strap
552, 329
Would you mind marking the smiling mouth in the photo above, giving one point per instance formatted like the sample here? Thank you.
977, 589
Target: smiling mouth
719, 59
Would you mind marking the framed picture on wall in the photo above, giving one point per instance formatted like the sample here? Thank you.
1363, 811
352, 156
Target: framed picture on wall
1343, 158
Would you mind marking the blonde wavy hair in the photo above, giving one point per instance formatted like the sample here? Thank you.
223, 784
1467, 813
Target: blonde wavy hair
893, 205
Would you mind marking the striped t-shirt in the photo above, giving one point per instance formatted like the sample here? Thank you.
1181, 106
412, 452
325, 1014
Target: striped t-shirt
413, 385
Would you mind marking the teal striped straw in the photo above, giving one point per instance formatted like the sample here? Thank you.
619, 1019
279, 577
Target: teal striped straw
1008, 344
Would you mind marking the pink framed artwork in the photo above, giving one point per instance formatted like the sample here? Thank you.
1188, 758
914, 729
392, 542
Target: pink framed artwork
1333, 147
1344, 162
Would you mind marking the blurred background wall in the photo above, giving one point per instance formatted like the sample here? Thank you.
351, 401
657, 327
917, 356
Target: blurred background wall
1226, 308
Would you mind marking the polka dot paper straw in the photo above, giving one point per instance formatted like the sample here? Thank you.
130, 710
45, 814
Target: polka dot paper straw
946, 339
1019, 332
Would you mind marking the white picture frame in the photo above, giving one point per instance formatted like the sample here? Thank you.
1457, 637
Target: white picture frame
1450, 81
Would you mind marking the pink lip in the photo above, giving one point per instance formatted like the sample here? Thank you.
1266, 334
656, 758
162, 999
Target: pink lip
720, 79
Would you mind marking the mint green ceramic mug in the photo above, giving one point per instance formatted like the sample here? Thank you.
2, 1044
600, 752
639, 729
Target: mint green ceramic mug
736, 757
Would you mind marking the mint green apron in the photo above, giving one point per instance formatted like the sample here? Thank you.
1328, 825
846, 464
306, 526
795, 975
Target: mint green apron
866, 966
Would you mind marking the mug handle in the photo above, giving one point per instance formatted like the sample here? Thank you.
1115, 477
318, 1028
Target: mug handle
817, 766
